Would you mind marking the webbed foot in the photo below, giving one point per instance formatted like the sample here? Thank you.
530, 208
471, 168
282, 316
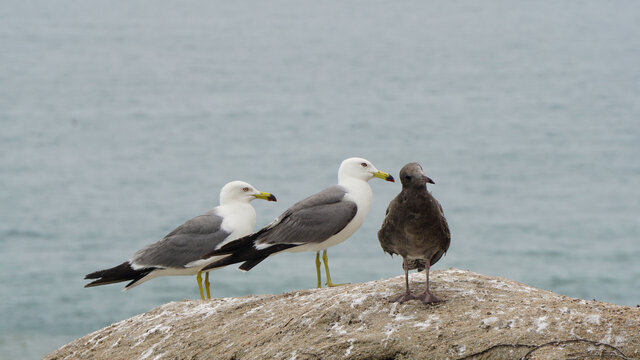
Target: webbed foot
403, 297
428, 297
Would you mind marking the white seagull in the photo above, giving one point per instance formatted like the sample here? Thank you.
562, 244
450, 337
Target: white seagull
180, 252
322, 220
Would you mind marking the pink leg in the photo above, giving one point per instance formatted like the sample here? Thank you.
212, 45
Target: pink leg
427, 297
407, 295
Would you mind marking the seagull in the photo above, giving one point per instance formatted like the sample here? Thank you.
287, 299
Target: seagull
180, 252
322, 220
415, 228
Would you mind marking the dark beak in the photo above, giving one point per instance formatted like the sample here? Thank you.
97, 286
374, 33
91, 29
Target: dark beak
427, 180
272, 198
390, 178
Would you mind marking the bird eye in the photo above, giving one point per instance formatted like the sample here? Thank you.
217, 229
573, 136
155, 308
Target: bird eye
245, 189
364, 164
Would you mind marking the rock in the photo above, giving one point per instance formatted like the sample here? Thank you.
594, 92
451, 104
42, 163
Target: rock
482, 317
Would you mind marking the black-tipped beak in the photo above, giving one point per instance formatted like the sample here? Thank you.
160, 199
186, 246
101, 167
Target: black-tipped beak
265, 196
427, 180
383, 175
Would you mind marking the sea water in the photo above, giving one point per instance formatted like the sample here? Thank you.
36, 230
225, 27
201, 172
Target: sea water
119, 120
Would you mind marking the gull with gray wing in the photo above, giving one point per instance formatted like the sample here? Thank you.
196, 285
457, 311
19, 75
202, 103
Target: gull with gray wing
322, 220
180, 252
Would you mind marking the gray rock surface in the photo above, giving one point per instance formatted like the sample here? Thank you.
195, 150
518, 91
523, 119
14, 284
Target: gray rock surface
482, 317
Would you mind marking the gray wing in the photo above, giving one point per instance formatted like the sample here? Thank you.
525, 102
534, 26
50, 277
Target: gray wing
188, 242
311, 220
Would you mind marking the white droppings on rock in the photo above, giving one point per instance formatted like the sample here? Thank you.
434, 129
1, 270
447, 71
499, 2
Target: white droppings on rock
486, 323
95, 340
541, 324
346, 353
619, 340
400, 317
463, 291
115, 343
607, 337
339, 329
305, 321
148, 352
389, 330
593, 319
253, 310
429, 322
474, 314
392, 308
455, 271
461, 349
373, 310
358, 300
319, 320
508, 324
161, 328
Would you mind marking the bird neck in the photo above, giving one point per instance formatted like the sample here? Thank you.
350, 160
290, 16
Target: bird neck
236, 206
239, 218
415, 188
359, 189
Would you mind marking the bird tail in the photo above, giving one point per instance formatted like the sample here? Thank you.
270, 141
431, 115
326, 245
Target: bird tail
244, 250
234, 246
116, 274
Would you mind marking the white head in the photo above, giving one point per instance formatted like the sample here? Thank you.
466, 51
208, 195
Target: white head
362, 169
240, 191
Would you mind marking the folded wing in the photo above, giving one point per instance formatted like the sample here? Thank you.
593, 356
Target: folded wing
312, 220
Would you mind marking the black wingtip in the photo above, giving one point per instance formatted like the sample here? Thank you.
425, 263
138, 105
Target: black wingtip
116, 274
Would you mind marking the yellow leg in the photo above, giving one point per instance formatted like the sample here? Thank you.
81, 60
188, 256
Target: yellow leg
318, 269
199, 278
207, 284
326, 268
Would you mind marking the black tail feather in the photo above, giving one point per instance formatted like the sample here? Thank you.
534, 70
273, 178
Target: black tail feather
232, 247
116, 274
247, 254
249, 264
236, 245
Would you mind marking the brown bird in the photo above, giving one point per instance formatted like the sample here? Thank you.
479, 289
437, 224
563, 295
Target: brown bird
415, 228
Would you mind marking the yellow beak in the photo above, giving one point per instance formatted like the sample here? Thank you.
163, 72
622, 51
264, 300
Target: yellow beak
265, 196
384, 176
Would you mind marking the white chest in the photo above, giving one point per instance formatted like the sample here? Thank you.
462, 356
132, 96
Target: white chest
359, 192
238, 219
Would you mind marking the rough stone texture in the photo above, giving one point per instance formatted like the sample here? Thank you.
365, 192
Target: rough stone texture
482, 317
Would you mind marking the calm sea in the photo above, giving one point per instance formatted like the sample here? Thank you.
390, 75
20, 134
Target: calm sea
119, 120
